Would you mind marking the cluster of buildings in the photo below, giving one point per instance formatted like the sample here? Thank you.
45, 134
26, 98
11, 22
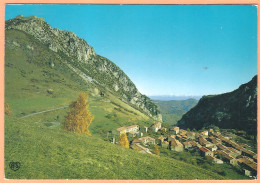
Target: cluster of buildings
211, 144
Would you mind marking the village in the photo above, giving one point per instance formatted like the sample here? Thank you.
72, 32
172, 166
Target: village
209, 143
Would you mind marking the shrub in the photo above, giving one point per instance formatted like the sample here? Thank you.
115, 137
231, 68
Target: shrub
8, 110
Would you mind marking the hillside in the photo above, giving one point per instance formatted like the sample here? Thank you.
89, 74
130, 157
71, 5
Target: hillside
173, 110
80, 58
48, 152
235, 110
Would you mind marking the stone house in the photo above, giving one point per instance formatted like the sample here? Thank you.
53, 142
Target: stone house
206, 152
248, 152
197, 135
249, 164
157, 126
147, 140
183, 132
187, 145
165, 144
175, 130
145, 129
127, 129
221, 146
159, 140
247, 172
234, 152
211, 131
214, 140
195, 144
136, 141
213, 148
164, 129
176, 145
205, 133
203, 141
215, 160
227, 157
170, 137
191, 135
132, 134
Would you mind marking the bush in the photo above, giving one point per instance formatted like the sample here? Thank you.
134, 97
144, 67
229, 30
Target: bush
50, 91
8, 110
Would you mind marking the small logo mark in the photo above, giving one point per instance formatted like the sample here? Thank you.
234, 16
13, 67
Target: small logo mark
14, 165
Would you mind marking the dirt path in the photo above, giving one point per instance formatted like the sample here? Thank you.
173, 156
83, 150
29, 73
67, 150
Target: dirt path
44, 111
62, 107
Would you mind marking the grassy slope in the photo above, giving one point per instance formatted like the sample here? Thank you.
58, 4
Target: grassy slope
26, 86
45, 150
49, 152
173, 110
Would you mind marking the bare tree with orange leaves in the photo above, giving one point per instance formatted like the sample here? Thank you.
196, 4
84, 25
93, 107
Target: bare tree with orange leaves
79, 118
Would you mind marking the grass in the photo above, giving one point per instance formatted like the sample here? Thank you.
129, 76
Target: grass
52, 153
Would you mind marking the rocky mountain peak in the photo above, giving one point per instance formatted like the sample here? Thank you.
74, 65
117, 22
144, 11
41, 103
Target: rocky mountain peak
56, 39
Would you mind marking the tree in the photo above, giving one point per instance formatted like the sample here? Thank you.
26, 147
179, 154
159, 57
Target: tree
8, 110
156, 150
79, 118
123, 140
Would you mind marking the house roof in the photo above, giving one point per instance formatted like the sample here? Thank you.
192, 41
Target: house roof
146, 138
221, 146
126, 127
186, 143
175, 142
204, 149
205, 132
161, 138
132, 126
193, 143
121, 128
248, 152
183, 132
157, 125
165, 142
171, 136
233, 150
214, 158
136, 141
191, 133
225, 155
202, 140
175, 128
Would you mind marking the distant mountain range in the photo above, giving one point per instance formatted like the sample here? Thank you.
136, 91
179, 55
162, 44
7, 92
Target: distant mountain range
173, 110
173, 97
235, 110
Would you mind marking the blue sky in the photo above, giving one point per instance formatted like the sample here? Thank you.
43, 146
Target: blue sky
165, 49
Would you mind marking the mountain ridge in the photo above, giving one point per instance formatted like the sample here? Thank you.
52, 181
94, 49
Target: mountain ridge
81, 58
236, 109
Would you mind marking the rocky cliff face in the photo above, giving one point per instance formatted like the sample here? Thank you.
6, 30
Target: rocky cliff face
81, 58
237, 110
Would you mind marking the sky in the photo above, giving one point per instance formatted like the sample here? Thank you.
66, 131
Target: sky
180, 50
